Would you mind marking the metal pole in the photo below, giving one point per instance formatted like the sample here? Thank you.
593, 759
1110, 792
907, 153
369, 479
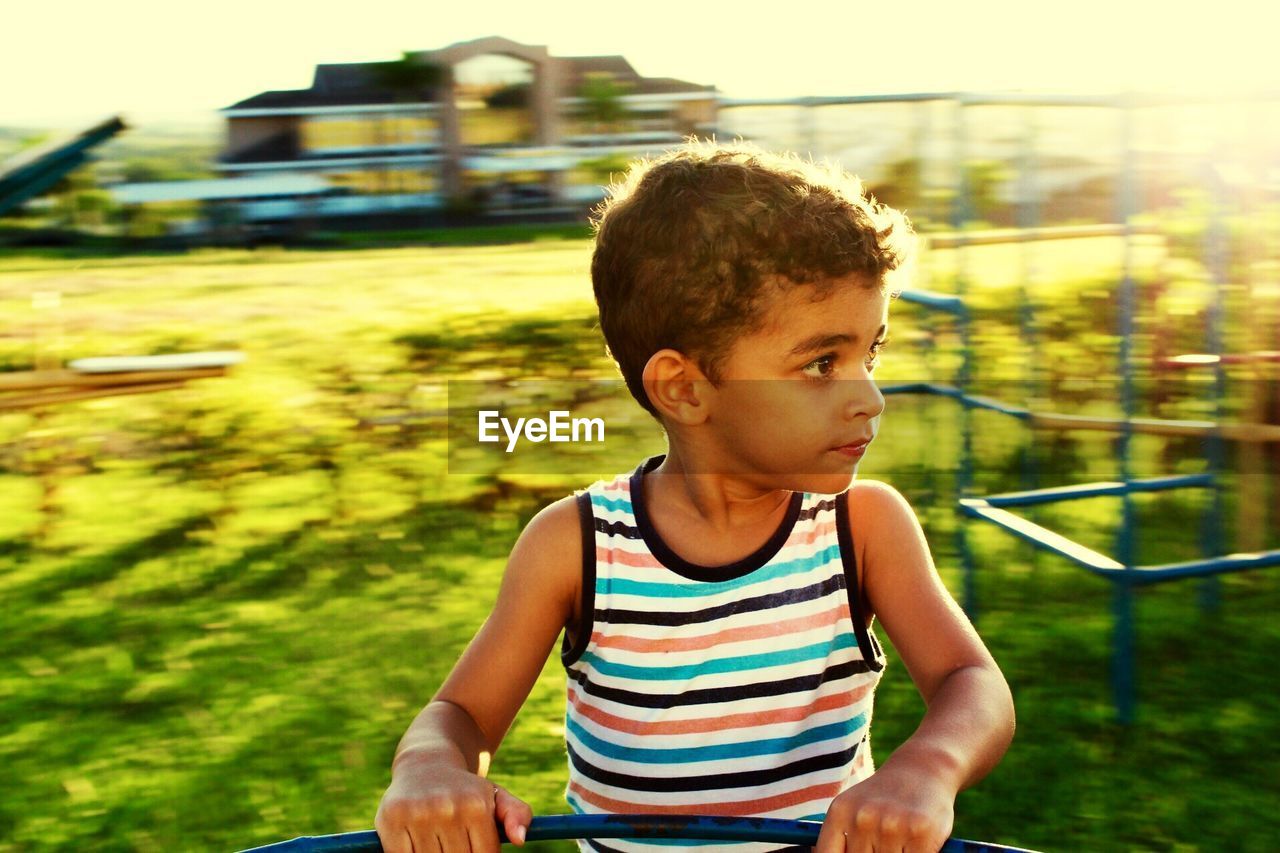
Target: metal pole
1028, 217
964, 476
1126, 546
664, 827
1216, 251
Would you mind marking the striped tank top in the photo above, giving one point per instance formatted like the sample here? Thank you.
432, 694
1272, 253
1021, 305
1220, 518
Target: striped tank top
743, 689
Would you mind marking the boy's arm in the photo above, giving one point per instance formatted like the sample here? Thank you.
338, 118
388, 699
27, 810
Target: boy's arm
438, 797
908, 802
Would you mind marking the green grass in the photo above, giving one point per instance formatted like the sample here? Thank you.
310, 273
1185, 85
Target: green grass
248, 587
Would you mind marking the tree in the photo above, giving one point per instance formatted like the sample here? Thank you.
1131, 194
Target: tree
602, 105
407, 78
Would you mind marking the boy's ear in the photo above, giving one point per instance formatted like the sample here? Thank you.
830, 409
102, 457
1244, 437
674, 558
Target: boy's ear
676, 386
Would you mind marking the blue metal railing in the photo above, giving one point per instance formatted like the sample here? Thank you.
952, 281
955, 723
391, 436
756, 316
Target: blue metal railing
1122, 571
669, 827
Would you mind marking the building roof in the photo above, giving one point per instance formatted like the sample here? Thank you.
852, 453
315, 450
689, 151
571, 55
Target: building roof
669, 85
309, 98
616, 65
358, 83
349, 84
576, 69
345, 77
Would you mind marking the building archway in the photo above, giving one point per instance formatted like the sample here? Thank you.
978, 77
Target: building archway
541, 101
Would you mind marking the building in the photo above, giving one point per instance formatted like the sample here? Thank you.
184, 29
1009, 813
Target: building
485, 126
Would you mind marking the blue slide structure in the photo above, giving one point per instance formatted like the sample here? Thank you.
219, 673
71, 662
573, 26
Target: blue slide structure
36, 171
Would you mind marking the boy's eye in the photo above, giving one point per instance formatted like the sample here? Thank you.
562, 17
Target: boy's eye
821, 367
873, 356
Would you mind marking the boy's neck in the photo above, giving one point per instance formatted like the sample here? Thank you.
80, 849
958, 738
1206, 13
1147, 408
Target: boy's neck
721, 502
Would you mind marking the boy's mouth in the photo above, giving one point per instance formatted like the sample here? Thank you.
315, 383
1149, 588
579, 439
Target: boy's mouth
853, 449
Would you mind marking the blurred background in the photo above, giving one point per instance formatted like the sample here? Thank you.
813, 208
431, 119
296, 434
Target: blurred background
229, 581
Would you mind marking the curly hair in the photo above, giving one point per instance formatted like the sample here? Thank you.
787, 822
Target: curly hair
688, 246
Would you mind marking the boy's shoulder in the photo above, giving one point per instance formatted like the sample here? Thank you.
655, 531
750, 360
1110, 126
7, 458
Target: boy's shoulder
875, 494
547, 558
562, 529
556, 523
889, 543
878, 512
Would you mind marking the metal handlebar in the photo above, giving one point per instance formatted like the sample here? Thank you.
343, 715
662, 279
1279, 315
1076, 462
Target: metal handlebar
682, 827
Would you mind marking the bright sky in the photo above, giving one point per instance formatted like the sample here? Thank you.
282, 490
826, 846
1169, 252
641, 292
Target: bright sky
65, 62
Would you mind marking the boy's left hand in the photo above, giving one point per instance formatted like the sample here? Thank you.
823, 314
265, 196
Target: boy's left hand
895, 809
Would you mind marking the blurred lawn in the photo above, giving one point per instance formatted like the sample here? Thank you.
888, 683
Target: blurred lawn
245, 589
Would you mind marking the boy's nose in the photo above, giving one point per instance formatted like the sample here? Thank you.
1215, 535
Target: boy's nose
864, 399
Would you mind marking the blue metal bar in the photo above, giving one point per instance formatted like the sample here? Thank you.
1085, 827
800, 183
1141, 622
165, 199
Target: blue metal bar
910, 388
1126, 544
929, 299
945, 391
1097, 490
1041, 537
1209, 567
1028, 220
671, 827
924, 388
365, 841
961, 214
1123, 686
973, 402
1216, 250
969, 401
1101, 564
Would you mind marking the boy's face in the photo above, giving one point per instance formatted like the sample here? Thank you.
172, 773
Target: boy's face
797, 403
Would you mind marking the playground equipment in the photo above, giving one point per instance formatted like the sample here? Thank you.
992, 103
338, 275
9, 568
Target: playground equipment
32, 173
50, 384
1122, 570
93, 378
668, 828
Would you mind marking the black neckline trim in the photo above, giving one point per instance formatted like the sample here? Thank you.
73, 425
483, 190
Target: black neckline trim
693, 571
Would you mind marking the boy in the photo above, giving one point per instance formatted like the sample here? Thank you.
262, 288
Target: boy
717, 603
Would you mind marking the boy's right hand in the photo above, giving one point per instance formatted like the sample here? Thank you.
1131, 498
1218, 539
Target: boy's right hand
430, 808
